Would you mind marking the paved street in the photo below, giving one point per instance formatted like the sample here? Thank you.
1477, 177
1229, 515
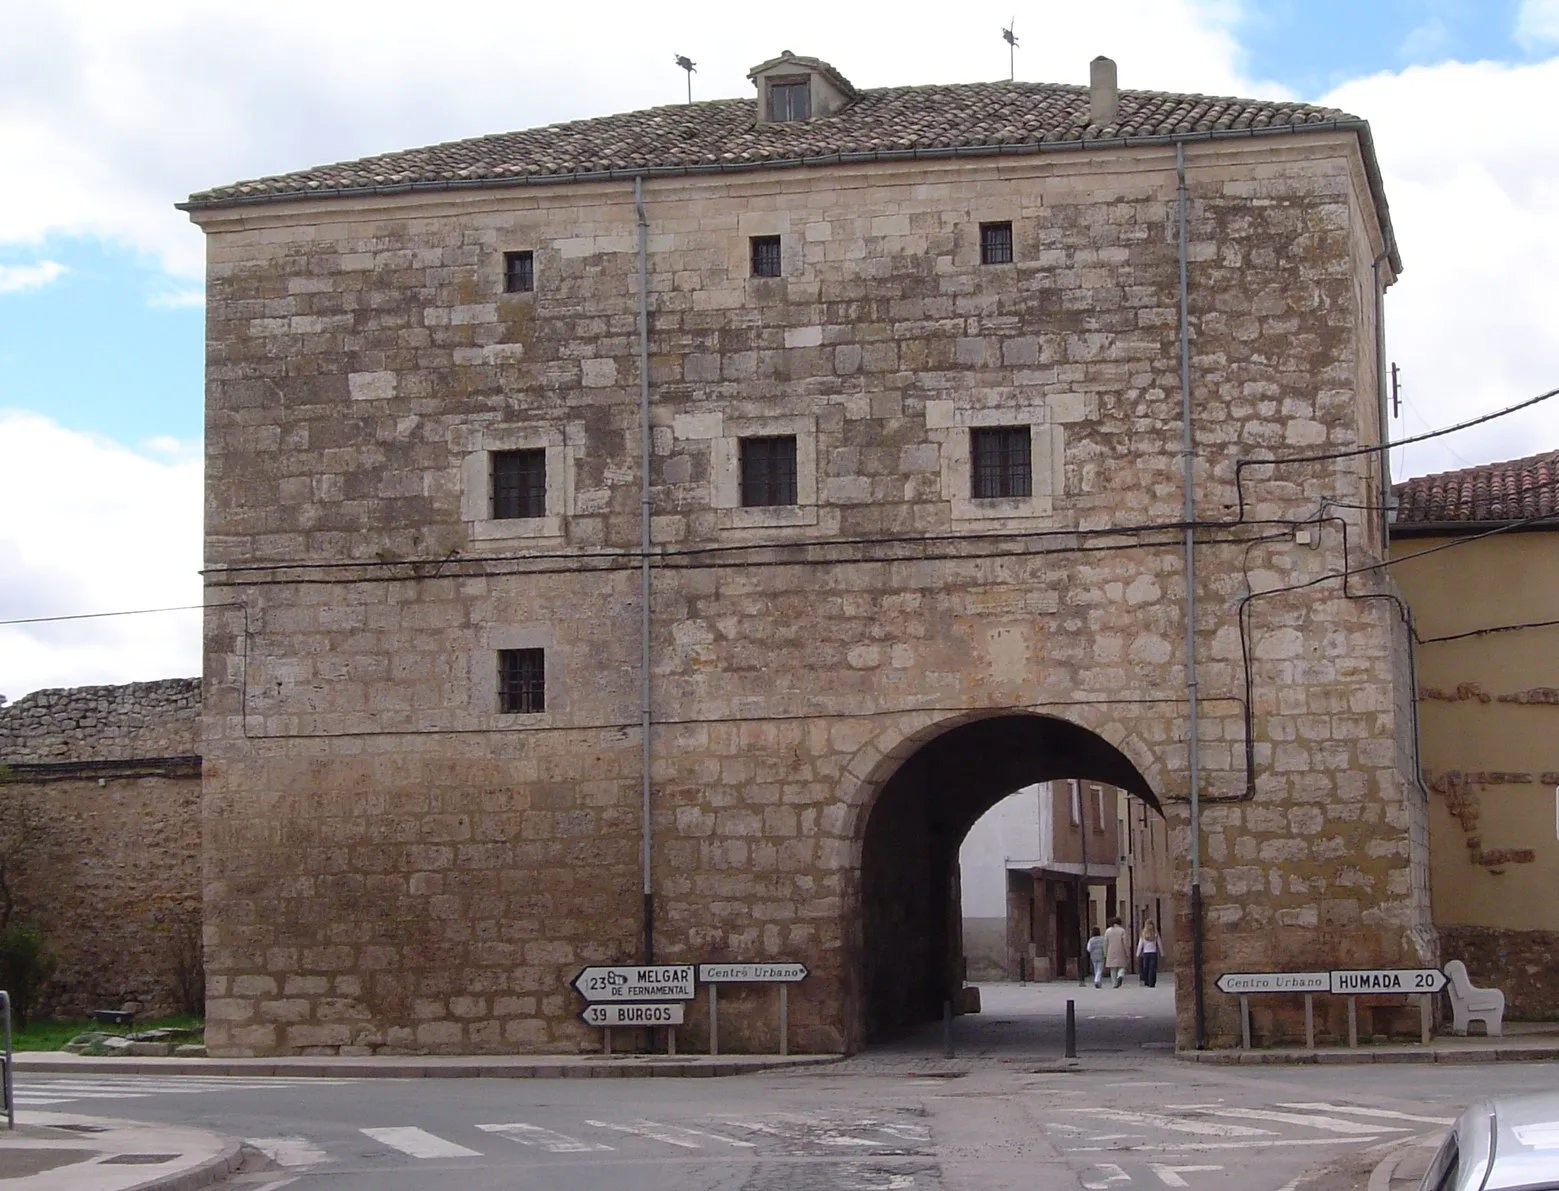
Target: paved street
900, 1118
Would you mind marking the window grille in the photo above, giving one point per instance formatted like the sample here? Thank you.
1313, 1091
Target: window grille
768, 471
519, 484
765, 256
1001, 462
996, 243
519, 272
522, 681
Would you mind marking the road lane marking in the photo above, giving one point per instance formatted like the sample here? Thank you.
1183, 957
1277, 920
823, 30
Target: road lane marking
1187, 1147
548, 1139
650, 1129
289, 1151
1360, 1111
1108, 1173
1170, 1175
1310, 1121
419, 1143
1177, 1124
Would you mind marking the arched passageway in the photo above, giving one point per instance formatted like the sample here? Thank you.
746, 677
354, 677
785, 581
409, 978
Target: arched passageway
909, 953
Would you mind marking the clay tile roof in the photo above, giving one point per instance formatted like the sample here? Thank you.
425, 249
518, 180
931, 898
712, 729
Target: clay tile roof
1492, 492
725, 135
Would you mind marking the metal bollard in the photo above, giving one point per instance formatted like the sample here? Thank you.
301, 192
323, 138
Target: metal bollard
947, 1029
1071, 1029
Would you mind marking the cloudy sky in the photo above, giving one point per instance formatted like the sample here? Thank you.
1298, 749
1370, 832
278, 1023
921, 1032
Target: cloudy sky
112, 110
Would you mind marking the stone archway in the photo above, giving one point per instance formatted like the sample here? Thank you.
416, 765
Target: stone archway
925, 795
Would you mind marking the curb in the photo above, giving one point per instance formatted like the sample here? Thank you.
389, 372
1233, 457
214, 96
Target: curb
623, 1067
212, 1170
1259, 1058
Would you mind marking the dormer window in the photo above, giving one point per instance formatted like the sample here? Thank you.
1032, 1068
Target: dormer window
790, 98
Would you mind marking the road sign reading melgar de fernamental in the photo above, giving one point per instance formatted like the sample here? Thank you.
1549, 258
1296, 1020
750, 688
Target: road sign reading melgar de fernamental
636, 982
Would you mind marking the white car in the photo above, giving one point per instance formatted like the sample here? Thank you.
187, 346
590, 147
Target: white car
1509, 1143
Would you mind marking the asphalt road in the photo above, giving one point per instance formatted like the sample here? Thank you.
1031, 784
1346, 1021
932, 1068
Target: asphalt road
899, 1119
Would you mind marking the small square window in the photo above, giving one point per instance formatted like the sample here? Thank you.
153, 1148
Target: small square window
768, 471
1001, 462
519, 272
765, 256
996, 243
790, 99
519, 484
522, 681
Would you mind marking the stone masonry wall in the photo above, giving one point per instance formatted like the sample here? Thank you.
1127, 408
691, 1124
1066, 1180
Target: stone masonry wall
392, 864
101, 798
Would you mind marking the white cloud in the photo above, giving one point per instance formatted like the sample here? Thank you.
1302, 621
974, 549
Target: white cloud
19, 277
89, 526
1473, 182
1537, 22
111, 112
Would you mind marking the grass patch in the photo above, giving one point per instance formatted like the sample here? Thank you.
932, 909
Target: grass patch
52, 1034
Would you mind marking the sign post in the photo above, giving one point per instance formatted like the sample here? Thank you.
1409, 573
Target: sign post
640, 995
782, 974
1356, 982
1244, 984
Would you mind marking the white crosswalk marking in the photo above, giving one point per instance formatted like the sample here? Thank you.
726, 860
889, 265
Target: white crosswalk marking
289, 1151
1170, 1175
1358, 1110
1176, 1124
675, 1135
1309, 1120
1108, 1173
419, 1143
40, 1092
548, 1139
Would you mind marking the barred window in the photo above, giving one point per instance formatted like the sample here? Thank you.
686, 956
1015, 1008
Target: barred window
768, 471
519, 484
519, 272
996, 243
1001, 462
765, 256
522, 681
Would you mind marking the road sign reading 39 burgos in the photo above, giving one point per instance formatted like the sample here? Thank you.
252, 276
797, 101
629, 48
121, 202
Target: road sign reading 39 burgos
636, 982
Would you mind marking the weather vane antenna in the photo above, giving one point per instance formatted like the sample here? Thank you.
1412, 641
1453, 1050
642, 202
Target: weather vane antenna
690, 66
1011, 39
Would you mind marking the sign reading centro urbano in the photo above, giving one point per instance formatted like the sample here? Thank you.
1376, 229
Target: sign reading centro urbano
1387, 980
633, 1014
636, 982
1274, 982
751, 973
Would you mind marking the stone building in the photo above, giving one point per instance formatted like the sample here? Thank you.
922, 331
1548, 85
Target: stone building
100, 840
1477, 557
665, 534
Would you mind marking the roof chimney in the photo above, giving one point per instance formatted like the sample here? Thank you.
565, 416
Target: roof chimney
1103, 95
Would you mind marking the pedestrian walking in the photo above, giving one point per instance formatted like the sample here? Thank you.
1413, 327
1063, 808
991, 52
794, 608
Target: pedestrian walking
1148, 949
1096, 955
1117, 951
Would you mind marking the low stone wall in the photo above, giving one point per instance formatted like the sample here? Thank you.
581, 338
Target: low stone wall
1524, 964
100, 832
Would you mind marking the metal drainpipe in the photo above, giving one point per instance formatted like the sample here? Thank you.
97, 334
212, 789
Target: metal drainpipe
1380, 392
645, 721
1189, 516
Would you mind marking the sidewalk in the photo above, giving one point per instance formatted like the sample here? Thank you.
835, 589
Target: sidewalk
1524, 1042
52, 1151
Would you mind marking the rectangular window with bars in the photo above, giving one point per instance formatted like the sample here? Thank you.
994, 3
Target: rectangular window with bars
519, 484
1001, 462
522, 681
765, 256
768, 471
519, 272
996, 243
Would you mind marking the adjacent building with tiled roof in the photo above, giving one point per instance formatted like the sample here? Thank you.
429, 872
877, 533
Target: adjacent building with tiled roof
1480, 497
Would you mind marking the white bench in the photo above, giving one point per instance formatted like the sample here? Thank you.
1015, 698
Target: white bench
1470, 1003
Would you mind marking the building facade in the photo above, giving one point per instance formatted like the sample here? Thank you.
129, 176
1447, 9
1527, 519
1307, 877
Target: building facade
1476, 553
665, 535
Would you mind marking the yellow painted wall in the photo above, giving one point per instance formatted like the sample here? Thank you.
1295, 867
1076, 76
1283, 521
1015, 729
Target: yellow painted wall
1481, 875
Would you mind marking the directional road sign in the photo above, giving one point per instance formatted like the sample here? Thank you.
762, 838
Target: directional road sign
1274, 982
636, 982
633, 1015
1387, 980
779, 973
